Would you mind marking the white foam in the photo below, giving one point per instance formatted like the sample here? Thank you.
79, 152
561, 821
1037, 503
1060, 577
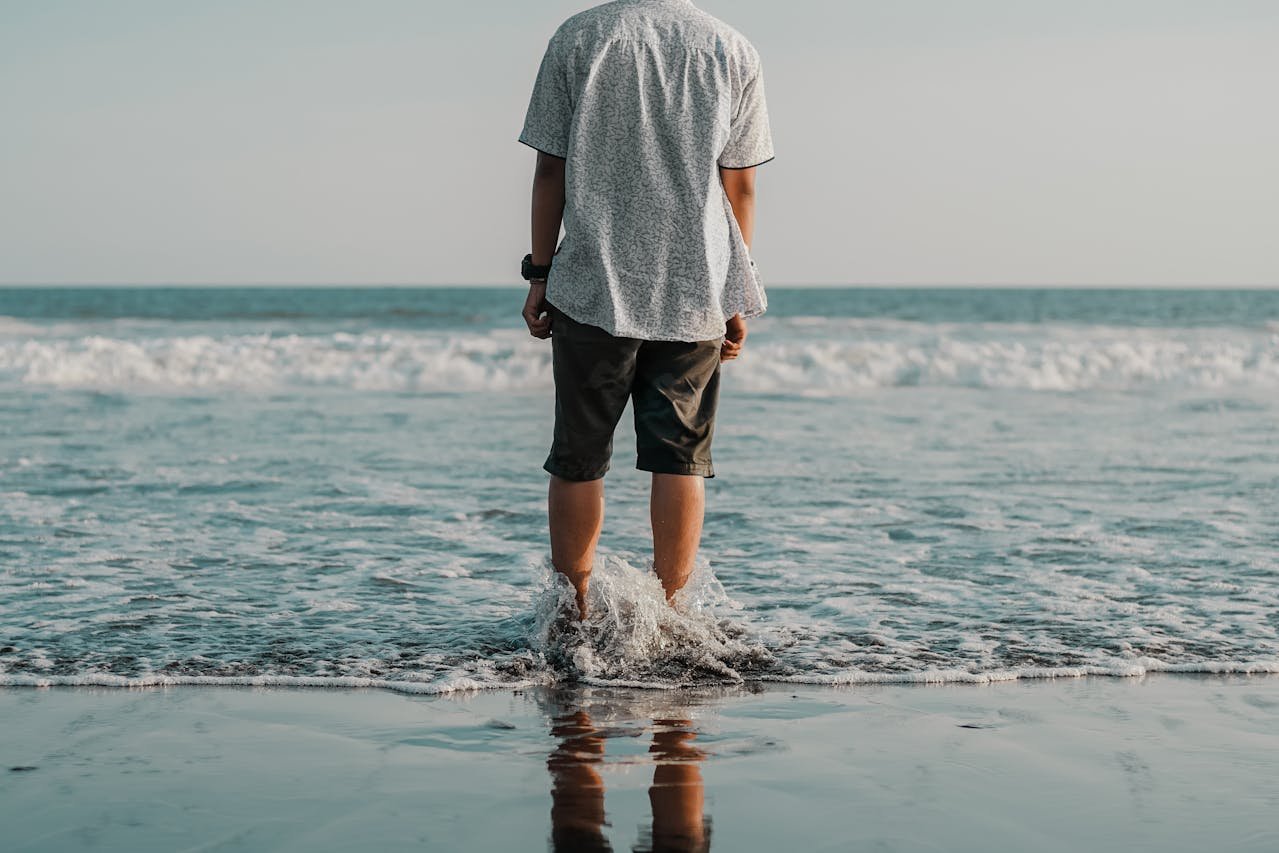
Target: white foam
1048, 364
830, 358
465, 684
375, 361
103, 679
1119, 669
634, 638
13, 327
336, 605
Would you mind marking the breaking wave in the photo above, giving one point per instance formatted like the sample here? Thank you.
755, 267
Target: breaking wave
796, 356
631, 638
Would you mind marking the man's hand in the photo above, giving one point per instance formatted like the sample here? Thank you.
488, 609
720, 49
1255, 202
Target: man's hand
734, 338
535, 314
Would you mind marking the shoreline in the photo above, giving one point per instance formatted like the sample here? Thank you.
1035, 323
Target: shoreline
464, 685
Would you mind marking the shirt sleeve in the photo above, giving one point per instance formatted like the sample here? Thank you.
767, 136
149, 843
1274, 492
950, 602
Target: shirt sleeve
750, 141
550, 109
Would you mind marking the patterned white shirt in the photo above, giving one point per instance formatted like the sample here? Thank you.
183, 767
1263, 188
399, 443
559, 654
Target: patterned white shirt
644, 100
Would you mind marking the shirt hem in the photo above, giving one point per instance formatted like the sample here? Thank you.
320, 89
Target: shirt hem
543, 150
751, 166
617, 331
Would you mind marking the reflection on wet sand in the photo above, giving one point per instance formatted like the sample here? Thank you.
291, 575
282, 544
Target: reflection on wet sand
577, 789
677, 796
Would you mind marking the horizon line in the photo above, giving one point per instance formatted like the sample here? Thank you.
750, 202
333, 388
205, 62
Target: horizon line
767, 286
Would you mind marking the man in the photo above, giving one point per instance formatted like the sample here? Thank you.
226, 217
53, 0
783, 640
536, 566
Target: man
649, 119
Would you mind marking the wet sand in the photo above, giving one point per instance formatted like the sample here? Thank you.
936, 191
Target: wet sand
1162, 762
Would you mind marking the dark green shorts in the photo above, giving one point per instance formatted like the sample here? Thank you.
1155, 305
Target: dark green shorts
673, 386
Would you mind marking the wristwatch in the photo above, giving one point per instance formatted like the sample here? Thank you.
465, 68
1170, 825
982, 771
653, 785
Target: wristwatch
533, 272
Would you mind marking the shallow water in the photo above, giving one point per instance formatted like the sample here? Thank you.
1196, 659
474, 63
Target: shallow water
343, 487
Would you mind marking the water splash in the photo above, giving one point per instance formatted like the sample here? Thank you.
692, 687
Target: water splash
633, 637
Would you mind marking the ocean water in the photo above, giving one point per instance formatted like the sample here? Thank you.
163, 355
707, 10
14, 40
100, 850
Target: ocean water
341, 487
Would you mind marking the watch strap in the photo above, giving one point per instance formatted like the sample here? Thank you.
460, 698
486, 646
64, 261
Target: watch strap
531, 271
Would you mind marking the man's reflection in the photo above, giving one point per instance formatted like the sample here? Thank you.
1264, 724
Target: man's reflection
677, 796
577, 790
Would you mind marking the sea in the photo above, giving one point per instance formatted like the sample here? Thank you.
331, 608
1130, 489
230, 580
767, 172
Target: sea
342, 487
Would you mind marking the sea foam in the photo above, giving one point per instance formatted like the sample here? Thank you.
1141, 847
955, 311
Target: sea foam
632, 636
845, 357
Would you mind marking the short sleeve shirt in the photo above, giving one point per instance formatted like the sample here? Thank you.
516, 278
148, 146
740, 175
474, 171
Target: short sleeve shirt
645, 100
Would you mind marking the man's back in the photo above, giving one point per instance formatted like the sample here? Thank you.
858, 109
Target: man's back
646, 100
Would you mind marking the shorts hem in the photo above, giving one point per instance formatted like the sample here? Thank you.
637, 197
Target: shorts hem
705, 469
576, 475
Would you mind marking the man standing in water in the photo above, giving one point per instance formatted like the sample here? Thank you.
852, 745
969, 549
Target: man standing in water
649, 119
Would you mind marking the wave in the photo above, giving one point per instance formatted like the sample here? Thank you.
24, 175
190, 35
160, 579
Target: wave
104, 679
13, 327
384, 361
465, 685
788, 357
631, 638
1119, 669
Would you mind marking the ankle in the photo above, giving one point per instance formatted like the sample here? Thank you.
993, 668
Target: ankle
672, 582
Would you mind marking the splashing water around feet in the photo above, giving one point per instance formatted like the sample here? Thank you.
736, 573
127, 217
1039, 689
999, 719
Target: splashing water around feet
634, 637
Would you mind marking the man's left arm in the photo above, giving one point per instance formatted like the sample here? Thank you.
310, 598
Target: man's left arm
548, 213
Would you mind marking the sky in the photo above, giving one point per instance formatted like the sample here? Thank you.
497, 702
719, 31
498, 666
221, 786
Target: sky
1000, 142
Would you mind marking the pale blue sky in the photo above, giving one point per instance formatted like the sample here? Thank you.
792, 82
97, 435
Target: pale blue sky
989, 141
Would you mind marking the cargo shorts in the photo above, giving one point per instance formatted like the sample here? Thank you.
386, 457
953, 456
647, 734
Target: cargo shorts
673, 387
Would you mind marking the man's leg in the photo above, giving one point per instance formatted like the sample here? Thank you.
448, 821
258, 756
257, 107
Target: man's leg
576, 510
675, 396
676, 509
593, 372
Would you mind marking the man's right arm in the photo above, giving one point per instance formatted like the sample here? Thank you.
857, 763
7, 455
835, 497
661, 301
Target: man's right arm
739, 186
548, 214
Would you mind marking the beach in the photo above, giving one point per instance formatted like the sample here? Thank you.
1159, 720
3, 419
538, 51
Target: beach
1162, 762
314, 535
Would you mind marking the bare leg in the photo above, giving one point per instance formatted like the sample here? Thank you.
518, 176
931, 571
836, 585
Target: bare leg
676, 509
576, 510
